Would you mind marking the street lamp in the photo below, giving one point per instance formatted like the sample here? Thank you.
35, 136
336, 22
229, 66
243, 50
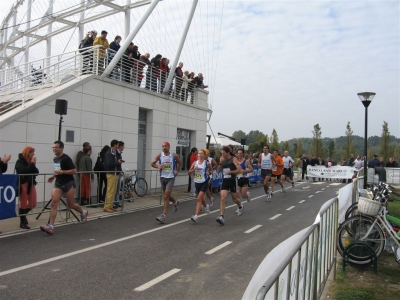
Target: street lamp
366, 99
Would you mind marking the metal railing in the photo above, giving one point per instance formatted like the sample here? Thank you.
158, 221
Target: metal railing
22, 83
303, 273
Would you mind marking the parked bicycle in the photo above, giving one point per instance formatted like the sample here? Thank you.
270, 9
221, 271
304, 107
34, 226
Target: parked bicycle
134, 183
372, 227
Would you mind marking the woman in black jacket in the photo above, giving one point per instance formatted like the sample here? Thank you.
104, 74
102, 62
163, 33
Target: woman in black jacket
26, 164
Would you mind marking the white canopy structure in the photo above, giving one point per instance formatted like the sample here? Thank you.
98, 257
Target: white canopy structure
220, 141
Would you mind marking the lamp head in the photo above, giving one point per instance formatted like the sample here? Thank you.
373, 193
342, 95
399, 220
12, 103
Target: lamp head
366, 98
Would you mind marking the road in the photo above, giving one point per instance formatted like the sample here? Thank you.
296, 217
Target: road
132, 256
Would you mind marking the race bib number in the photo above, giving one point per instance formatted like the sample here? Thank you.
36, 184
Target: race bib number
197, 176
266, 164
167, 167
226, 175
275, 168
57, 166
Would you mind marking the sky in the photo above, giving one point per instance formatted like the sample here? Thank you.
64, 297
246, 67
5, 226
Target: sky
285, 65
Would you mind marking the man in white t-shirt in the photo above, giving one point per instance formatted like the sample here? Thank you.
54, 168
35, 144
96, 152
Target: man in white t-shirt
358, 164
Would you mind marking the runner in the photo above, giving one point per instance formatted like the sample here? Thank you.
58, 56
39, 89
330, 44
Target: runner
288, 164
64, 170
277, 170
243, 180
265, 161
214, 165
168, 163
230, 166
201, 169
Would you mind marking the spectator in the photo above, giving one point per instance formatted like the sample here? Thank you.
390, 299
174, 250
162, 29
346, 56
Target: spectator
320, 163
306, 162
255, 159
343, 162
198, 81
80, 154
381, 162
135, 61
396, 165
162, 75
299, 165
350, 161
114, 47
191, 86
151, 75
85, 165
120, 149
374, 162
168, 71
111, 164
185, 82
358, 164
144, 60
101, 177
390, 163
178, 80
193, 158
127, 63
4, 163
26, 164
313, 162
104, 45
87, 42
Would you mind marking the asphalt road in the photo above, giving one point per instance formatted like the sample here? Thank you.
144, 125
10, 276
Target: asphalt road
132, 256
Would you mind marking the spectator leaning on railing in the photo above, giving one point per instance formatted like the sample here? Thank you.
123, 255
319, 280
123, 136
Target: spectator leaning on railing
87, 42
178, 80
198, 81
114, 47
104, 45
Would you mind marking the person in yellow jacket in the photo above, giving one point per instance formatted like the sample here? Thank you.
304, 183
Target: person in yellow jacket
104, 45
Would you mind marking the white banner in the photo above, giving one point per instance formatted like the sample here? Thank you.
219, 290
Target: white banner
393, 175
332, 172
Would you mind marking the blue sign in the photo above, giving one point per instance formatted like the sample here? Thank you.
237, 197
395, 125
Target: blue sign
8, 186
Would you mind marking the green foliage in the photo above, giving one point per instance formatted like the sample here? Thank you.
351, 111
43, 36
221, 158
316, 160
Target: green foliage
317, 147
238, 135
348, 147
285, 147
351, 294
332, 151
384, 146
299, 150
274, 141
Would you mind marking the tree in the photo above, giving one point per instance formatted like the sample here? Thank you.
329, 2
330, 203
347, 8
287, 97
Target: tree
384, 146
317, 146
396, 153
285, 146
331, 150
348, 146
238, 135
299, 150
370, 151
252, 136
274, 141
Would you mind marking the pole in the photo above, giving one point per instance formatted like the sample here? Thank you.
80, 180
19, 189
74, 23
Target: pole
129, 38
365, 148
182, 41
59, 128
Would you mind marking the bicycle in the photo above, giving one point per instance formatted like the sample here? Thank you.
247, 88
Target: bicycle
136, 184
377, 232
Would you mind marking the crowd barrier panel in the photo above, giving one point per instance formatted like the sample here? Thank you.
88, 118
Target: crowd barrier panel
299, 267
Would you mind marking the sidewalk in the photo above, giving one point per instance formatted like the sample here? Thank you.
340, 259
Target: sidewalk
11, 226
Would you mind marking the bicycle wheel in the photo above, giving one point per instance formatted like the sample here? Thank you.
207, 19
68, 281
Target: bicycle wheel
352, 211
355, 229
140, 187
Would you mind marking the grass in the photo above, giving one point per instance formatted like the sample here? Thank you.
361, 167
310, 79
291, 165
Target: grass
361, 283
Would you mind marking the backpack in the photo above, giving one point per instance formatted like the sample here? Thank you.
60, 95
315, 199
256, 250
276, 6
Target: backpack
99, 166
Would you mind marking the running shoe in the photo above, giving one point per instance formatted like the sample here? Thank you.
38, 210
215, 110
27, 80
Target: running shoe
176, 206
194, 218
193, 195
240, 210
161, 218
208, 209
292, 183
283, 190
248, 196
212, 201
220, 220
47, 228
84, 216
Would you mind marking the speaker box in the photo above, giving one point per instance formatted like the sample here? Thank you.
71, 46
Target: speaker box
61, 107
243, 141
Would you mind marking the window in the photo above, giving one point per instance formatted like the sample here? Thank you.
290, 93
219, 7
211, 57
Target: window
183, 147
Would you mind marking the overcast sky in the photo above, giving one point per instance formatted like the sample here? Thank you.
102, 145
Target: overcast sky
289, 65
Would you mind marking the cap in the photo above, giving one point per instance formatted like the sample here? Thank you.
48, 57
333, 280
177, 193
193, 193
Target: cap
375, 155
206, 152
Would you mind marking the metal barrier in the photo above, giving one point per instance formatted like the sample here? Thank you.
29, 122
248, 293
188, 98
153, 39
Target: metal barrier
303, 273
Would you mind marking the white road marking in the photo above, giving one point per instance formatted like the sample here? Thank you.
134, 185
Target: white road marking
318, 192
306, 187
336, 183
302, 201
290, 208
218, 247
318, 182
252, 229
156, 280
276, 216
310, 196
